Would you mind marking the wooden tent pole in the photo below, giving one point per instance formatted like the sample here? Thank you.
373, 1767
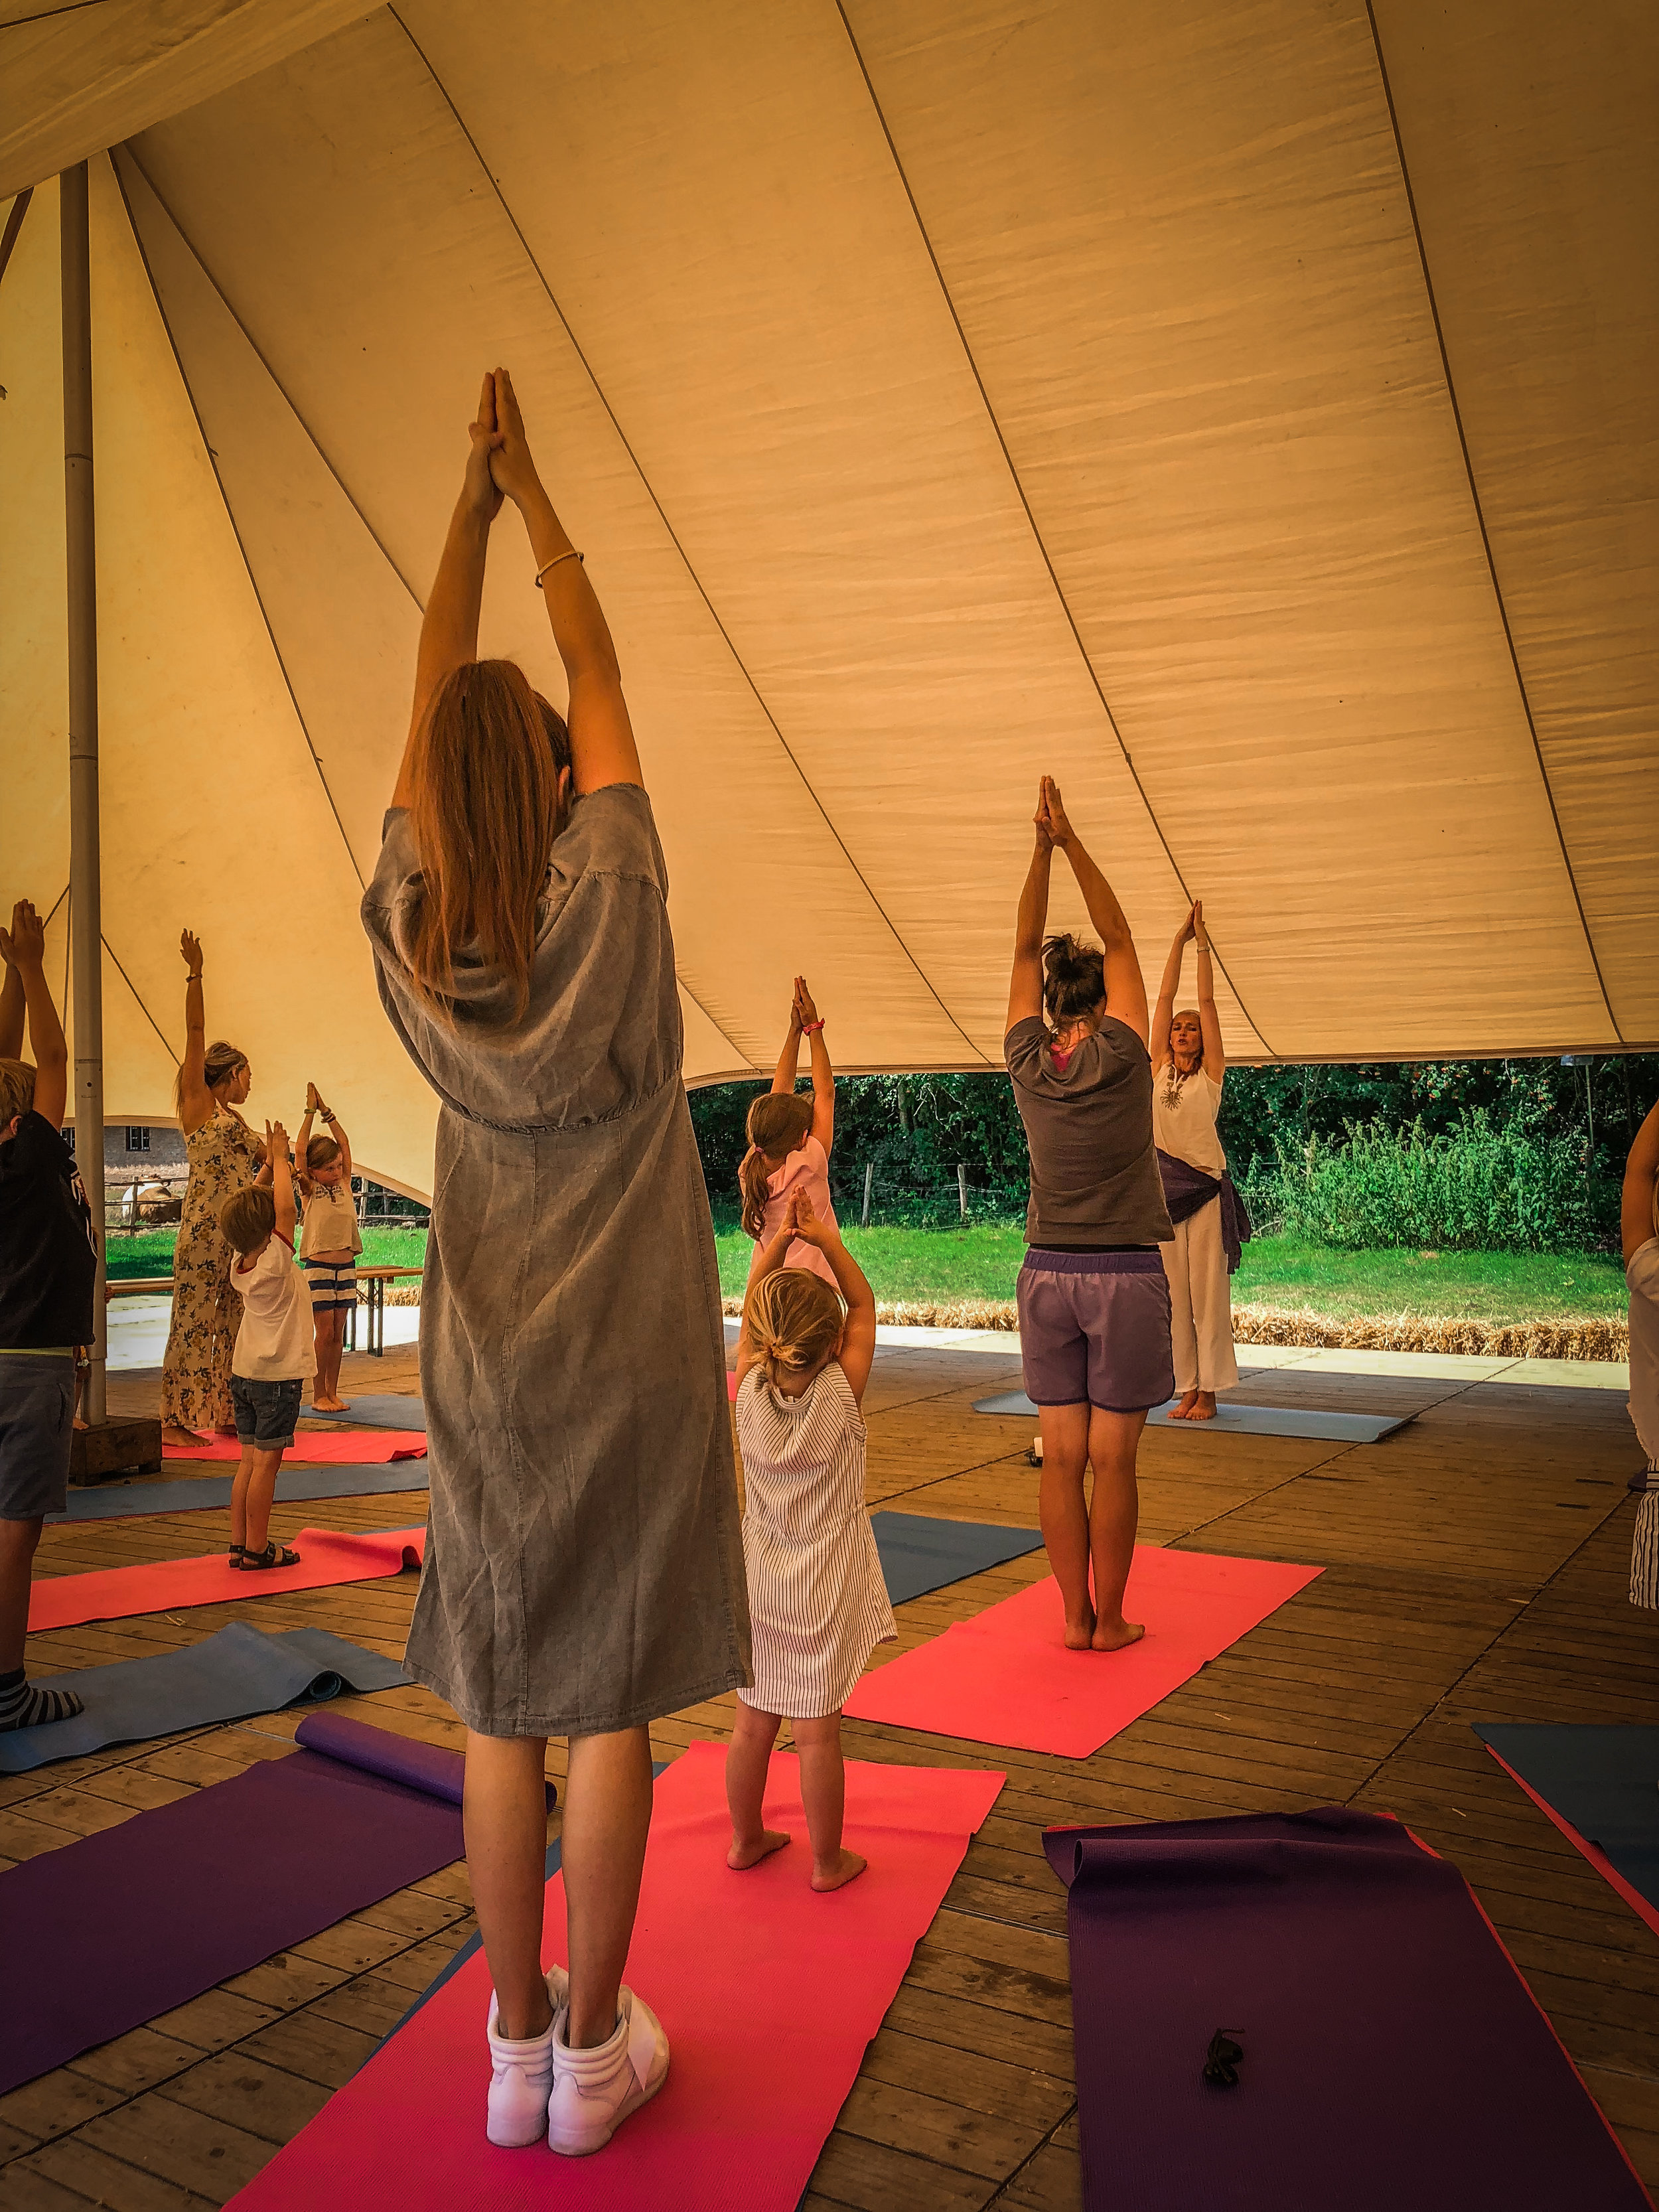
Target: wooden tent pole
86, 916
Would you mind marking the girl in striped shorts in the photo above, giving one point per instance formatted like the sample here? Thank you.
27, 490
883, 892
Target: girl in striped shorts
330, 1241
818, 1599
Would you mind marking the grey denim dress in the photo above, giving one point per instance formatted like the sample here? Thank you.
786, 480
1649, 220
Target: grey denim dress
583, 1563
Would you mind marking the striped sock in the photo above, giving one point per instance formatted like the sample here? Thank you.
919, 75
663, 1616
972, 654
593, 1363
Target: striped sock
24, 1705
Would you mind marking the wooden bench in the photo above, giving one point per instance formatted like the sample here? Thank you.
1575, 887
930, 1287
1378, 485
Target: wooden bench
372, 1282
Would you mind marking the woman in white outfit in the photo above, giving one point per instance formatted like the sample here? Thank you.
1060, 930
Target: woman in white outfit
1188, 1067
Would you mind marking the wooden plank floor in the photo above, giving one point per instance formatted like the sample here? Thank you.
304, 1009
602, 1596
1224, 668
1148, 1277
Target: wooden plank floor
1475, 1569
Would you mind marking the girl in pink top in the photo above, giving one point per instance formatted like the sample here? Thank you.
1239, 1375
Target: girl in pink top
789, 1140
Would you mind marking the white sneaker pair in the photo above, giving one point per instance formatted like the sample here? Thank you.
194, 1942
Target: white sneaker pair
577, 2099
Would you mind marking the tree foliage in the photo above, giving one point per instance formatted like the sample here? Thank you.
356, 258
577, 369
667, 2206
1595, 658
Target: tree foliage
1563, 1131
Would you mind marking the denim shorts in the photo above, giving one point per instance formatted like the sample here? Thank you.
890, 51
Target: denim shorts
37, 1428
265, 1412
1094, 1329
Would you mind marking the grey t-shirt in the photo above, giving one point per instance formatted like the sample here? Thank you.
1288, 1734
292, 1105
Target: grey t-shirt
1089, 1131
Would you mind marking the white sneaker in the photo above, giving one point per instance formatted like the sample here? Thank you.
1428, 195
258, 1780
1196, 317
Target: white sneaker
594, 2091
521, 2074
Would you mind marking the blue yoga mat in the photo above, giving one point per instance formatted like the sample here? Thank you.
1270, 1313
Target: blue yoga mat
920, 1553
1245, 1420
117, 1501
225, 1677
1602, 1781
393, 1410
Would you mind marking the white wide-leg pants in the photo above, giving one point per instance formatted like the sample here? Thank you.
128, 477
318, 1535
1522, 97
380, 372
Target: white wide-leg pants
1200, 1303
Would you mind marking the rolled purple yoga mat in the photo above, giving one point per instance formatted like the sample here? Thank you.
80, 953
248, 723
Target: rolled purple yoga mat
109, 1931
1391, 2053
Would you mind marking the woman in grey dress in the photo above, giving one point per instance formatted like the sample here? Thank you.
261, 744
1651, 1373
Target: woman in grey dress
583, 1566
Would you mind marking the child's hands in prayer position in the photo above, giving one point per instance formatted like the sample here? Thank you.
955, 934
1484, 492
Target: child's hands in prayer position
25, 943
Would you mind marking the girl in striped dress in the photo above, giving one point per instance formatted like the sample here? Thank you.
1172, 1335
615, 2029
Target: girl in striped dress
818, 1599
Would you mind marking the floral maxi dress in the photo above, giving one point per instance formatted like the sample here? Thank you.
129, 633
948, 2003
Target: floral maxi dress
224, 1157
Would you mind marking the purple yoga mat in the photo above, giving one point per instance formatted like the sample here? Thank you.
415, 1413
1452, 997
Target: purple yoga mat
1393, 2055
107, 1932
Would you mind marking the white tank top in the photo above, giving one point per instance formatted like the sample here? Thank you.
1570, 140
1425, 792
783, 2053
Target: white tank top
330, 1222
1186, 1128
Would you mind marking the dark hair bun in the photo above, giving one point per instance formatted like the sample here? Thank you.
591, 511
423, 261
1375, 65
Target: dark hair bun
1073, 978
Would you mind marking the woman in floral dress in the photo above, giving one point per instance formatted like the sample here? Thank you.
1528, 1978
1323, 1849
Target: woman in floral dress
225, 1155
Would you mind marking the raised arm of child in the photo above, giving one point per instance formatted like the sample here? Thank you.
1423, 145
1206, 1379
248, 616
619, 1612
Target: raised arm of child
602, 747
1636, 1222
1025, 984
23, 947
768, 1258
1125, 987
823, 1075
11, 996
282, 1182
787, 1071
301, 1143
857, 1336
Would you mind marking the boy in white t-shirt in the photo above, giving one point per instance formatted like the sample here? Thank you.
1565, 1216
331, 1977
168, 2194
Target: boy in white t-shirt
1638, 1219
276, 1349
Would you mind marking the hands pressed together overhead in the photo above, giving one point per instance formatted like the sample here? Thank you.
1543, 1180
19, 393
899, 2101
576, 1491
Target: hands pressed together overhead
24, 945
499, 463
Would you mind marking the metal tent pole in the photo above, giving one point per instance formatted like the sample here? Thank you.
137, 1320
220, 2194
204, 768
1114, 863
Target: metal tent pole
85, 902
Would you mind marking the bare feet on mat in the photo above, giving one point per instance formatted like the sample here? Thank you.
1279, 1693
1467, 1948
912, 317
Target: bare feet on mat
331, 1405
742, 1857
1184, 1411
1117, 1639
172, 1433
1203, 1407
848, 1867
1080, 1632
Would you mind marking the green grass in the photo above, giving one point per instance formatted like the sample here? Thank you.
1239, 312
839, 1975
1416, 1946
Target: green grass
941, 1264
150, 1252
1496, 1286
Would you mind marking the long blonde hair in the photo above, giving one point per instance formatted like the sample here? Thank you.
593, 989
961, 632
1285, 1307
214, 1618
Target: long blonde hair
793, 1320
219, 1064
485, 768
777, 1124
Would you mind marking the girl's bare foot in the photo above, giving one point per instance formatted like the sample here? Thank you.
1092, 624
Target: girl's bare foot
1115, 1639
742, 1857
1203, 1406
1184, 1411
172, 1433
331, 1405
1079, 1633
848, 1867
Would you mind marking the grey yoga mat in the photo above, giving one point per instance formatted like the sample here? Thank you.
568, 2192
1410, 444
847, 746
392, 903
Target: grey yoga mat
117, 1501
225, 1677
920, 1553
393, 1410
1245, 1420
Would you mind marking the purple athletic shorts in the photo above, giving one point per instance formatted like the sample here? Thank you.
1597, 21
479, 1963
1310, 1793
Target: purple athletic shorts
1095, 1327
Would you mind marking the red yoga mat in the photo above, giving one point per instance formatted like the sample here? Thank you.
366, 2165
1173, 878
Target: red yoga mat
1007, 1677
320, 1447
767, 1992
327, 1555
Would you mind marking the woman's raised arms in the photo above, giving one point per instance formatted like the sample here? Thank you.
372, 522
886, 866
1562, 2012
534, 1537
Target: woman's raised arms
195, 1099
449, 629
602, 746
1163, 1012
1125, 987
1025, 984
1215, 1057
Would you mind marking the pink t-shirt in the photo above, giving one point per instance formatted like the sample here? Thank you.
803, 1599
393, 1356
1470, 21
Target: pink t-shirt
808, 1169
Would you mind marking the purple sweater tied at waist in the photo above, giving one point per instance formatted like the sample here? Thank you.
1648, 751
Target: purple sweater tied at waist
1188, 1189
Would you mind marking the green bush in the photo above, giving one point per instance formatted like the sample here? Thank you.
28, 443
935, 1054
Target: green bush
1473, 1188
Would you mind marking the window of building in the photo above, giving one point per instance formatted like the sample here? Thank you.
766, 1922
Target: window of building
137, 1139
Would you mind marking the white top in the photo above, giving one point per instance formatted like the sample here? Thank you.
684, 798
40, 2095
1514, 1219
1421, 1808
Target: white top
330, 1222
1643, 1276
1187, 1130
818, 1598
277, 1341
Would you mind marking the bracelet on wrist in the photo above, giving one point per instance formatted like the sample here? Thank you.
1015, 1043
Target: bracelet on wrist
811, 1029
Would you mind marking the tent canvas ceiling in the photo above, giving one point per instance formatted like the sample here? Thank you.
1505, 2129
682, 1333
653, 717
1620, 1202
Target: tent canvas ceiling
1242, 411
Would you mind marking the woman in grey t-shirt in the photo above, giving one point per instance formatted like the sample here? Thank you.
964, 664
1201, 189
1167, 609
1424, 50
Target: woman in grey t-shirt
1094, 1300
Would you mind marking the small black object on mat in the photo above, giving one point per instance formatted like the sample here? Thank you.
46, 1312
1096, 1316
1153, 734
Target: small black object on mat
1221, 2060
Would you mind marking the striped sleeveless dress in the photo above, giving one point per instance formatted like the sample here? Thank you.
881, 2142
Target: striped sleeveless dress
818, 1599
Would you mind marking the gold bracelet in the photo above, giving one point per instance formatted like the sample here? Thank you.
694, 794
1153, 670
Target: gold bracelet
554, 563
